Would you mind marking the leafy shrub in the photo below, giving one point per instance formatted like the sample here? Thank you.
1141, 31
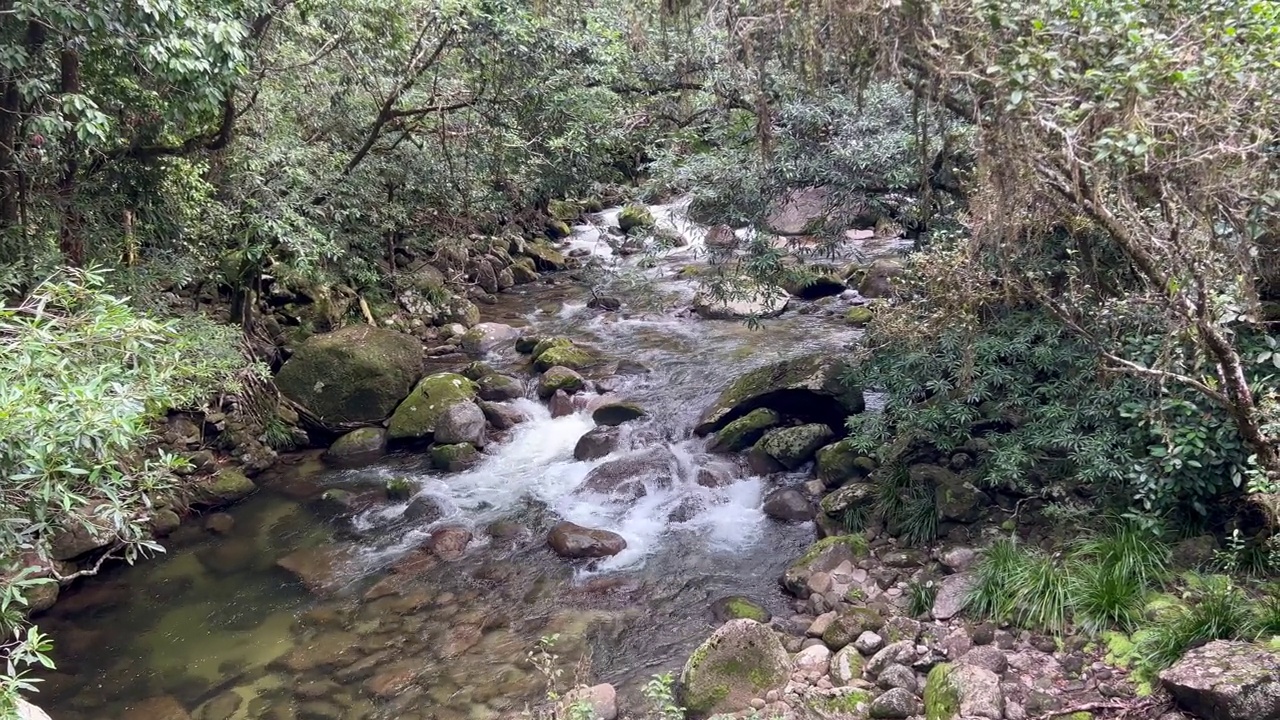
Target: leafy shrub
86, 377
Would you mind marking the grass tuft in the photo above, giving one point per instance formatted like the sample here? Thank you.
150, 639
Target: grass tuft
992, 593
1104, 597
1134, 552
1042, 593
921, 596
1213, 608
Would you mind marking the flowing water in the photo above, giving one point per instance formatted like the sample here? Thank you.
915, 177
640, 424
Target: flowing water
213, 626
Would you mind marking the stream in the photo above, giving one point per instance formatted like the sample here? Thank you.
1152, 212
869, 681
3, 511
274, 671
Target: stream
214, 629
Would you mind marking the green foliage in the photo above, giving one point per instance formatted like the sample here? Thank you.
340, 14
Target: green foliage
992, 593
1256, 556
906, 504
1130, 550
660, 692
920, 596
1212, 608
88, 377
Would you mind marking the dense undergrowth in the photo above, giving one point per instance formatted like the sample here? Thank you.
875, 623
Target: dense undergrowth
1120, 585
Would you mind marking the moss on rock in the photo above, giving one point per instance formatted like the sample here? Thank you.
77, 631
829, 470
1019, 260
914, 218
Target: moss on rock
822, 556
454, 458
570, 356
807, 386
858, 316
353, 375
795, 446
417, 415
745, 431
634, 216
545, 257
559, 378
557, 229
741, 661
227, 486
841, 462
564, 210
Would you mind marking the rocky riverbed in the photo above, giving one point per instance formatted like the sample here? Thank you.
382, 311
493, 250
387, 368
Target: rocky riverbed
617, 464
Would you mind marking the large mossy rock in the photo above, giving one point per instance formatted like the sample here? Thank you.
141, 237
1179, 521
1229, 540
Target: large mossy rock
745, 431
634, 216
823, 556
562, 352
840, 462
849, 624
1227, 680
545, 258
417, 415
807, 388
741, 661
795, 446
849, 497
354, 375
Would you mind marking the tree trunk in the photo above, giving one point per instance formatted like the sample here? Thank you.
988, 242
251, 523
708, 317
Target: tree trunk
70, 234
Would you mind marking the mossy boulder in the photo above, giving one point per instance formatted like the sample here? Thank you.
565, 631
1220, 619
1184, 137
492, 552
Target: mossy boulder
454, 458
823, 556
461, 311
741, 661
525, 344
557, 229
812, 285
399, 489
745, 431
564, 210
849, 497
354, 375
545, 258
224, 488
357, 446
808, 388
841, 462
736, 607
795, 446
524, 270
485, 337
559, 378
877, 280
849, 624
634, 216
542, 345
417, 415
858, 315
477, 370
563, 354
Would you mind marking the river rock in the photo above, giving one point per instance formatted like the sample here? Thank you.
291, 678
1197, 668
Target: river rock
455, 457
501, 416
597, 443
902, 652
736, 607
226, 487
955, 499
895, 704
449, 543
978, 690
794, 446
354, 375
951, 596
574, 541
487, 336
27, 711
163, 707
847, 665
561, 405
743, 660
498, 388
807, 388
721, 237
319, 569
602, 698
80, 532
839, 463
358, 446
760, 302
812, 662
561, 352
798, 212
849, 497
634, 216
423, 510
823, 556
745, 431
625, 476
877, 281
559, 378
788, 504
898, 676
1227, 680
616, 412
461, 422
416, 417
849, 624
